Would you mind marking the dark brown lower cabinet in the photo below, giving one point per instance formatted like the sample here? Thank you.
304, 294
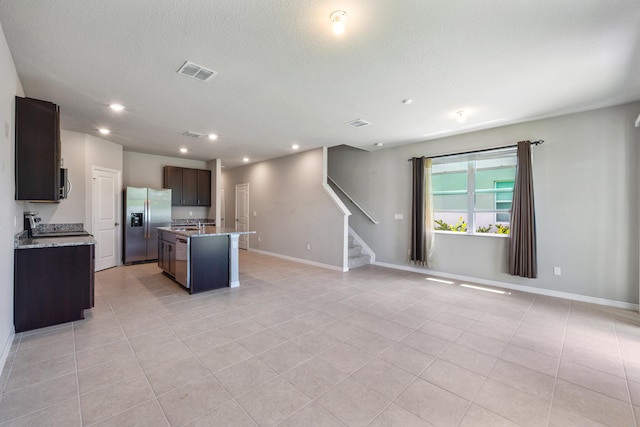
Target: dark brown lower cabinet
209, 263
52, 285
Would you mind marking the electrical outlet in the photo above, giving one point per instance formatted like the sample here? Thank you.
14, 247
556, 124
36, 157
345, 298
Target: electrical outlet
258, 239
398, 216
190, 213
557, 271
308, 246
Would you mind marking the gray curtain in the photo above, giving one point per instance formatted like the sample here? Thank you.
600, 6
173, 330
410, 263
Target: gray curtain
522, 236
421, 212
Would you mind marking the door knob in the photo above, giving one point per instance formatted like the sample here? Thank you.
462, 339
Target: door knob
116, 224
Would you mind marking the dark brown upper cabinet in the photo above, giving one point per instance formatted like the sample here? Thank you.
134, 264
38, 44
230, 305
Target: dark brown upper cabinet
37, 150
204, 187
189, 187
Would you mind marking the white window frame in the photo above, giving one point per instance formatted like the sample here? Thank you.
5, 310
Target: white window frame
471, 192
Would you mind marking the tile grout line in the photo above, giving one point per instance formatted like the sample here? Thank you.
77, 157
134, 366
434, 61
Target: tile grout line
555, 379
498, 358
624, 370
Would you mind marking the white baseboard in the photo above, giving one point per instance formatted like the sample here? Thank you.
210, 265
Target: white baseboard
300, 260
522, 288
5, 350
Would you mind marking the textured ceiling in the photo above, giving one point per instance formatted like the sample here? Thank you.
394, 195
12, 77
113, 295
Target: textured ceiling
284, 77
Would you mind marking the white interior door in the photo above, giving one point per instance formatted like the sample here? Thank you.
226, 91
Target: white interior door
105, 217
222, 209
242, 214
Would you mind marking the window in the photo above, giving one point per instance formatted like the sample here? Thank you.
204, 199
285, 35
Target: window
504, 199
473, 193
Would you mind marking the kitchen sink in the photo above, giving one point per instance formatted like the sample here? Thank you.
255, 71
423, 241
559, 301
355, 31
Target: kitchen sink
184, 228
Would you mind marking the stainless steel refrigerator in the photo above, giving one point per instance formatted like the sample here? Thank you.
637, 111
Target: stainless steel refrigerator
145, 209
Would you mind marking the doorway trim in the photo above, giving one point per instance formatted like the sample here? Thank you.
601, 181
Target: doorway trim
243, 239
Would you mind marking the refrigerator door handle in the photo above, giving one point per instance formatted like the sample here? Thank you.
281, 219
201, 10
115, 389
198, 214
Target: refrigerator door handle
146, 216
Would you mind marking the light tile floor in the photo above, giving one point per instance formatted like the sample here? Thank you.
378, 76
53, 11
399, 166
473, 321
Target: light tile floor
303, 346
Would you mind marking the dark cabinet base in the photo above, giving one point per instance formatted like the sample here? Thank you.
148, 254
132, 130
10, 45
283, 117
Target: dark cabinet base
52, 285
209, 263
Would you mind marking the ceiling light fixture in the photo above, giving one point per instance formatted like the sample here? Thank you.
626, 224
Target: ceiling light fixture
295, 146
379, 144
213, 136
245, 159
183, 150
407, 101
338, 18
104, 131
116, 107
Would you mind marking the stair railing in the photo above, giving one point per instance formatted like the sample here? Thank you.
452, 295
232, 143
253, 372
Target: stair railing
356, 204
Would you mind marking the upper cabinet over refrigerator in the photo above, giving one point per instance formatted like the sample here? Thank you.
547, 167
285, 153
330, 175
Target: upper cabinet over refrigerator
145, 209
37, 150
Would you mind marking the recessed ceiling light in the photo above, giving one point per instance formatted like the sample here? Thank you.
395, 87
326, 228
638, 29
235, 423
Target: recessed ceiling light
117, 107
183, 150
407, 101
213, 136
295, 146
245, 159
379, 144
104, 131
461, 116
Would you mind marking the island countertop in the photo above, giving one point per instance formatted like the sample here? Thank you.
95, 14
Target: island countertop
208, 230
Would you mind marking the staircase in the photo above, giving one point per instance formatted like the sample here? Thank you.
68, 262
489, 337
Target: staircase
357, 258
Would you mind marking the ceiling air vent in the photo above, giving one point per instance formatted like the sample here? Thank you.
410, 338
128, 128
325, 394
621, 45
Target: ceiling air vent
197, 72
193, 134
357, 123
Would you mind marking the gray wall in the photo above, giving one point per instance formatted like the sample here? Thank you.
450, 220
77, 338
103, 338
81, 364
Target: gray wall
146, 170
11, 211
586, 189
72, 209
291, 208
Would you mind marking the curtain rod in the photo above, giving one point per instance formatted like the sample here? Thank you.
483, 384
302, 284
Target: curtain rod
538, 142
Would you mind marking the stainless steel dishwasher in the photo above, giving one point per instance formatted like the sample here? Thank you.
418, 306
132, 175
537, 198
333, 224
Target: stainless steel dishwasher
181, 261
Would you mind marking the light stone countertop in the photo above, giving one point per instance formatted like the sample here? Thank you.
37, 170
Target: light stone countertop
209, 230
53, 242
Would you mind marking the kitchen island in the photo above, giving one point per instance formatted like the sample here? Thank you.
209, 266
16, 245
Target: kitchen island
200, 258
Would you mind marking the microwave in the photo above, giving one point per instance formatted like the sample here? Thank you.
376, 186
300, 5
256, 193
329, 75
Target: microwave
65, 184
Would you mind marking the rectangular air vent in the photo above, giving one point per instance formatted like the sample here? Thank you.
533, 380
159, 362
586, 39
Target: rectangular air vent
193, 134
357, 123
197, 72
